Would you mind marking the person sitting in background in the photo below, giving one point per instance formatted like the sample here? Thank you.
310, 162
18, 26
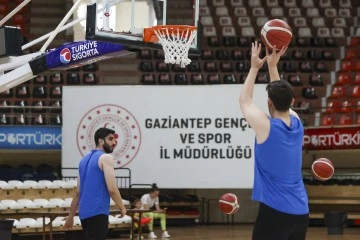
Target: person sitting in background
150, 200
144, 220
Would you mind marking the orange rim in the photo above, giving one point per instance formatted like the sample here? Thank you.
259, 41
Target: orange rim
150, 36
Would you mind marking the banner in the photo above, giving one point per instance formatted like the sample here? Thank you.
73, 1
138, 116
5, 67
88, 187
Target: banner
30, 137
177, 137
80, 53
332, 138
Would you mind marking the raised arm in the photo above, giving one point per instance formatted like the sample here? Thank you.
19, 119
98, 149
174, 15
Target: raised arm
272, 61
256, 118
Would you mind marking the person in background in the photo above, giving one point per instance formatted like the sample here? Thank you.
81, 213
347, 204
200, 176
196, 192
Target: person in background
150, 200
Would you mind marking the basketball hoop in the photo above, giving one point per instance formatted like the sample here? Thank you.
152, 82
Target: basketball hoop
175, 40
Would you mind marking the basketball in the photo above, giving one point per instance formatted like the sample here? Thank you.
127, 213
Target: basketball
228, 203
276, 32
322, 169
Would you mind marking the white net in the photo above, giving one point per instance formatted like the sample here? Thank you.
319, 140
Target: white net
176, 45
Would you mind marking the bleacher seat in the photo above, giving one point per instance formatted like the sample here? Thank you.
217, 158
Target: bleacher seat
254, 3
27, 203
209, 31
58, 222
327, 120
228, 31
213, 79
222, 11
244, 21
225, 21
4, 120
197, 79
260, 21
325, 3
277, 12
38, 107
332, 106
28, 223
55, 92
22, 91
330, 12
164, 79
307, 3
56, 78
294, 12
343, 79
312, 12
356, 92
39, 92
218, 3
44, 203
248, 32
240, 12
304, 32
345, 119
290, 3
338, 92
346, 107
207, 21
58, 202
318, 22
181, 79
258, 12
40, 79
294, 80
344, 13
11, 204
337, 32
236, 3
272, 3
73, 78
357, 79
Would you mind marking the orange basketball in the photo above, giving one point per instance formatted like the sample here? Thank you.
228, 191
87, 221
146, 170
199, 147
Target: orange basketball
276, 32
228, 203
322, 169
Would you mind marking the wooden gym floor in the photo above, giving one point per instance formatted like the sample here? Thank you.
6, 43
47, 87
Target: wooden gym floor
243, 232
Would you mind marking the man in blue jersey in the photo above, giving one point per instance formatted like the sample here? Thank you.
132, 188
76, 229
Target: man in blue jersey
96, 184
278, 185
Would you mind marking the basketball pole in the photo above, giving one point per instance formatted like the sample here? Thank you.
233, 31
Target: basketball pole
61, 24
13, 12
69, 25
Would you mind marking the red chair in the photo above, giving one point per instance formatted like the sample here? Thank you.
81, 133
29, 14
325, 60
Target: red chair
346, 107
357, 79
332, 106
346, 119
357, 106
338, 92
19, 19
327, 120
348, 66
357, 65
355, 41
351, 53
3, 9
356, 92
344, 78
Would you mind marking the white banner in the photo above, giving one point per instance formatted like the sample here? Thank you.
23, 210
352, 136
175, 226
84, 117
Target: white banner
175, 136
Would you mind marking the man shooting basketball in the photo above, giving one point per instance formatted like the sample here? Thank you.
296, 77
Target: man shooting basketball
278, 185
96, 184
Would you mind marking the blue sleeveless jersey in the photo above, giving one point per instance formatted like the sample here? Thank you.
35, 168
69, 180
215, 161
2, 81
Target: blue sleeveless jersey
278, 179
94, 196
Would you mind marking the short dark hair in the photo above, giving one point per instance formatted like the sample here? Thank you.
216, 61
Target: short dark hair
154, 188
102, 133
281, 94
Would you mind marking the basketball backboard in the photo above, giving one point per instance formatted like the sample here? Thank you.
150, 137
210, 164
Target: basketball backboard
123, 21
